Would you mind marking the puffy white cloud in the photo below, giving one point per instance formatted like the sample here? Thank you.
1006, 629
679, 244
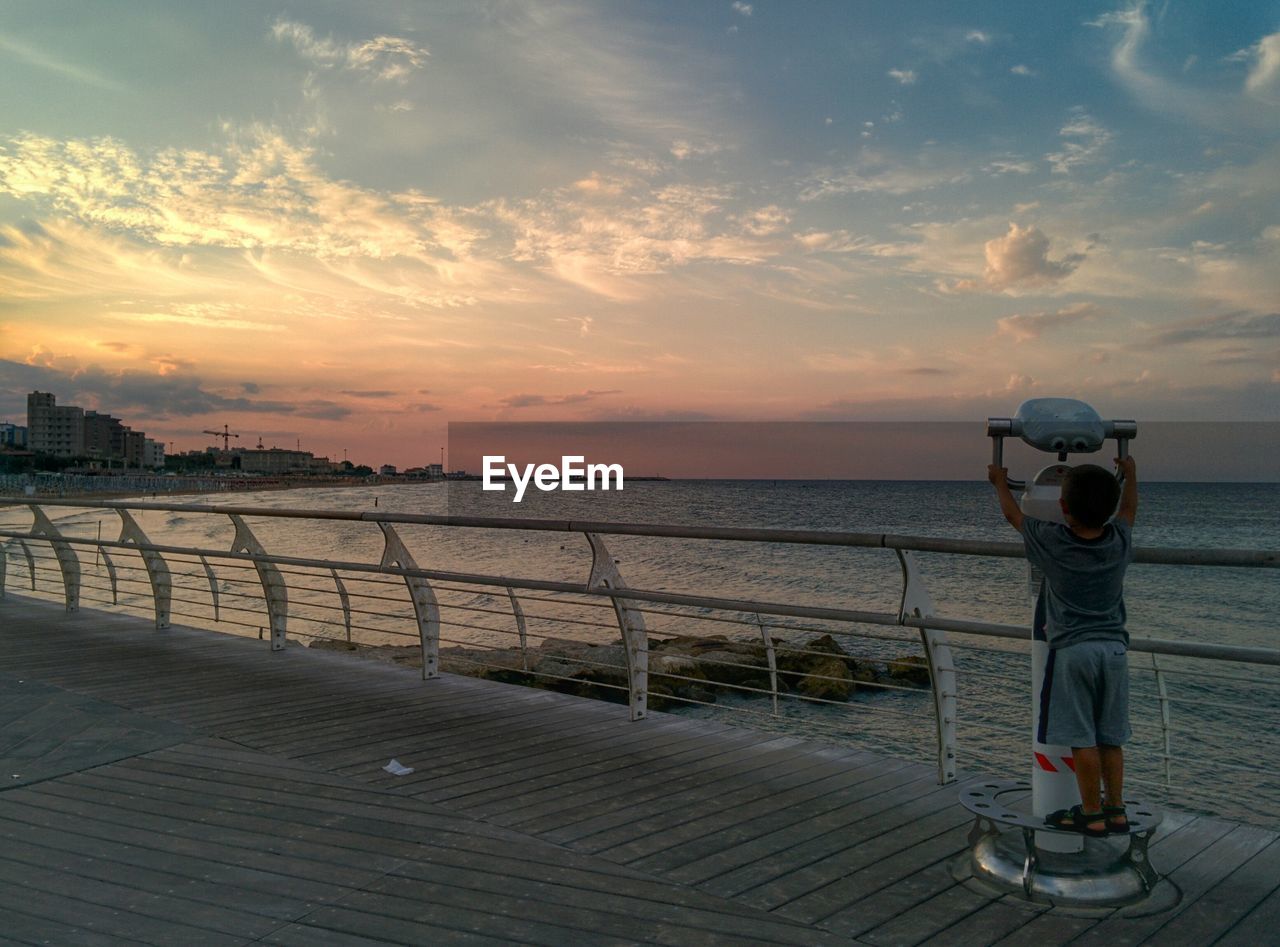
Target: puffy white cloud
743, 8
904, 76
1021, 259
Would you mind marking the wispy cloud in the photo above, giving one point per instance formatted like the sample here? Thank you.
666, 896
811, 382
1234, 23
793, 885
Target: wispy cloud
50, 63
532, 400
1023, 327
1083, 141
384, 58
1228, 326
1206, 107
903, 76
158, 396
879, 173
1263, 57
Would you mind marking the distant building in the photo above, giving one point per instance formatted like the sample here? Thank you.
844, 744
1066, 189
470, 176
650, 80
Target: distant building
275, 460
387, 470
71, 431
52, 429
103, 436
435, 471
152, 454
13, 435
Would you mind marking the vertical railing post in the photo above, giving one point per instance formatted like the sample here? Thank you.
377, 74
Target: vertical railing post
1165, 720
68, 562
426, 609
274, 590
916, 603
635, 638
518, 611
771, 656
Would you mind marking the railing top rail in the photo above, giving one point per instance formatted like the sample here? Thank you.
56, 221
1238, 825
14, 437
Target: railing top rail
1195, 649
1243, 558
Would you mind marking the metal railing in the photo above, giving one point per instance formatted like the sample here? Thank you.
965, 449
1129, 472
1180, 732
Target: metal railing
843, 671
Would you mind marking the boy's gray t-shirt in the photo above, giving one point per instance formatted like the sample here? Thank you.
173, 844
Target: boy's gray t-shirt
1084, 580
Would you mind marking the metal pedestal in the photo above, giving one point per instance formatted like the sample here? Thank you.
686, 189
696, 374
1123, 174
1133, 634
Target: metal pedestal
1103, 875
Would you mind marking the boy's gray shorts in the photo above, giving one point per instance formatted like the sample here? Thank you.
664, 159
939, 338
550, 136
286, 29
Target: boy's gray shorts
1085, 701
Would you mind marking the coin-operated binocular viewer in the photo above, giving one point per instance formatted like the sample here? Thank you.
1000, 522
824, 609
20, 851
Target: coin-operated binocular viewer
1047, 863
1061, 426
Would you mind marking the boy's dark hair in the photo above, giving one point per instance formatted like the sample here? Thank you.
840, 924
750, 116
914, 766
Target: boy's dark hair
1090, 493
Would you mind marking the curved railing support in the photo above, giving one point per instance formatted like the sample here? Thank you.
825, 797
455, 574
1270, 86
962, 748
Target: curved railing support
425, 607
345, 599
31, 562
213, 586
635, 639
68, 561
111, 575
274, 589
916, 603
157, 568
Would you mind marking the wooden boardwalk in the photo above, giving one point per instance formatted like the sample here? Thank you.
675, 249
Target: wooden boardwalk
185, 787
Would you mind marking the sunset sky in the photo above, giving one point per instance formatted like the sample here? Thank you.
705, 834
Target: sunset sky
348, 224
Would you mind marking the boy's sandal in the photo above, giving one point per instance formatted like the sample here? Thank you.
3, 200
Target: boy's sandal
1076, 819
1117, 821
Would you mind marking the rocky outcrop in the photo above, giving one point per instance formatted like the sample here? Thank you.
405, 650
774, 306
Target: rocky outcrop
681, 668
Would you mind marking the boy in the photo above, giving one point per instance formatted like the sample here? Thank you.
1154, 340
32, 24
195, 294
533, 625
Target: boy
1085, 697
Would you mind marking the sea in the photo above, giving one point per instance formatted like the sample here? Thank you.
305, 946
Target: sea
1206, 733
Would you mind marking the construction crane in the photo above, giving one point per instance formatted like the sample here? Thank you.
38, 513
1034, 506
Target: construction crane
226, 436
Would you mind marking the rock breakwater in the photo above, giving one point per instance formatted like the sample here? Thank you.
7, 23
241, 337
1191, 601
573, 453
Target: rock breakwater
681, 668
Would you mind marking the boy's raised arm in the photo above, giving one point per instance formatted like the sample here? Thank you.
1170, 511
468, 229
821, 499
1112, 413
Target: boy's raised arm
999, 476
1128, 508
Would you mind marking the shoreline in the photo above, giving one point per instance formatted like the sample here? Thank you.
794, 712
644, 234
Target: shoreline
155, 487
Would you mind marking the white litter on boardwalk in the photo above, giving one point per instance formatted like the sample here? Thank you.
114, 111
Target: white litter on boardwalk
396, 768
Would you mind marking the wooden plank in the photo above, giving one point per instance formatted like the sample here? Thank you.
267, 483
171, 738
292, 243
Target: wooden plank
793, 841
902, 896
306, 934
457, 753
693, 828
182, 919
1195, 876
871, 867
639, 760
1218, 910
614, 916
571, 820
1259, 926
927, 919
